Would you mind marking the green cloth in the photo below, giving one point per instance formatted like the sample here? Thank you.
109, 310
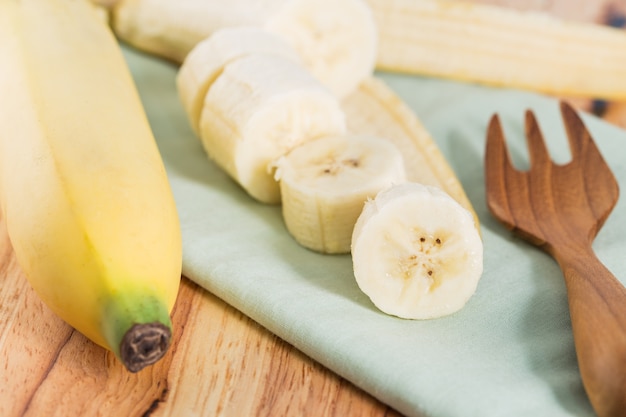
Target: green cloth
509, 352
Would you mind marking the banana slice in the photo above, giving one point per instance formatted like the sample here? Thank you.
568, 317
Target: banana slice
337, 39
207, 60
258, 109
416, 252
324, 184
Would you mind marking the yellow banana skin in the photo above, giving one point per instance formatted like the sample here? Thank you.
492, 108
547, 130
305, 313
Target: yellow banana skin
84, 193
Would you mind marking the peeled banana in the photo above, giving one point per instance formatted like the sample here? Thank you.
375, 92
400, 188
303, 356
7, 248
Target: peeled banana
83, 189
336, 39
443, 38
325, 182
416, 252
259, 108
500, 47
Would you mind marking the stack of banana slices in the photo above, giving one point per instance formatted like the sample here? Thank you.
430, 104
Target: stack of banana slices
266, 99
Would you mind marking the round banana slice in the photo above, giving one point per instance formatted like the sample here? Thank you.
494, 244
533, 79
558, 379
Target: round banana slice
338, 40
207, 60
257, 110
416, 252
324, 184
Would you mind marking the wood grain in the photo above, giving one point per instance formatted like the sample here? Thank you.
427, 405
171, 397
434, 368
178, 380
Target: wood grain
561, 208
221, 363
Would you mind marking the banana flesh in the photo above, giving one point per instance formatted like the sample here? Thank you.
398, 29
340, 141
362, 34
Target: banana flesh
171, 29
207, 60
442, 38
373, 109
324, 184
499, 47
84, 193
258, 109
336, 39
416, 252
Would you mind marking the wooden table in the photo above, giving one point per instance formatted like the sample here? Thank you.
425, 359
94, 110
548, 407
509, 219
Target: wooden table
220, 363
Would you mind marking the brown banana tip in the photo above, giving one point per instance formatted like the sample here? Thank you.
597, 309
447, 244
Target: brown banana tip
144, 344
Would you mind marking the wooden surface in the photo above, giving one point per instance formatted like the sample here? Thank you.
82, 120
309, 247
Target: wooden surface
221, 362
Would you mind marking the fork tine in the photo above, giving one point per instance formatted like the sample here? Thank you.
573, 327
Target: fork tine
498, 167
537, 150
497, 155
584, 150
495, 137
579, 138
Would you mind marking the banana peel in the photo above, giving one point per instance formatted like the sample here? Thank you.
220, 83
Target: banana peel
84, 192
374, 108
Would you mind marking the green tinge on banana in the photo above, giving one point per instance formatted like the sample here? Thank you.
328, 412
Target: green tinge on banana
336, 39
500, 47
137, 327
84, 192
325, 182
416, 252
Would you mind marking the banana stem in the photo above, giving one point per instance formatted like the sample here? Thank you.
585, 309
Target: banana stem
137, 328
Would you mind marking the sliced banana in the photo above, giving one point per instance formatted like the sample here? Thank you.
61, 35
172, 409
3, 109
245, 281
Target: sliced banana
324, 184
416, 252
337, 39
207, 60
257, 110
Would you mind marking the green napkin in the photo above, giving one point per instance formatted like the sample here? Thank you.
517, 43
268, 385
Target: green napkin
509, 352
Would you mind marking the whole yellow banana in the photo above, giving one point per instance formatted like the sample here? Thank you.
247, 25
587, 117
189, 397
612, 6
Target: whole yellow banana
84, 193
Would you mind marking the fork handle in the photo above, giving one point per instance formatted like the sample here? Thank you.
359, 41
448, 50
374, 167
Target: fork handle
597, 304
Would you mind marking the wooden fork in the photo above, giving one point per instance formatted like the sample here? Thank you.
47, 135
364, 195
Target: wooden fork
561, 208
